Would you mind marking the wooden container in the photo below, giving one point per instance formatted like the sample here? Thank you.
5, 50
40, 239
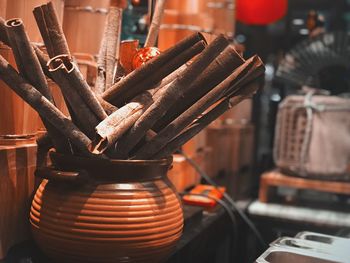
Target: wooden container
176, 26
17, 162
59, 102
3, 4
16, 116
231, 147
83, 24
183, 175
127, 212
240, 113
223, 14
196, 145
182, 18
58, 97
23, 9
87, 66
186, 6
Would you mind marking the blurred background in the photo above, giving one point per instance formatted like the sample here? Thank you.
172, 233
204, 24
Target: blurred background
283, 156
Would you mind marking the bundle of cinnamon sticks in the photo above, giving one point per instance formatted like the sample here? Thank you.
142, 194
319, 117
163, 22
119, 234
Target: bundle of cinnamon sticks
146, 114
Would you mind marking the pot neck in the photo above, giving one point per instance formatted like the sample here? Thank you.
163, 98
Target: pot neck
112, 169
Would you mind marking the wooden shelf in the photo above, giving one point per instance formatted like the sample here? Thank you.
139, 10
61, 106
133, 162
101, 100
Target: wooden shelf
270, 180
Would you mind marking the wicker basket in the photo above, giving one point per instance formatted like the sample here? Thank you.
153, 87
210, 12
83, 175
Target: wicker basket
313, 136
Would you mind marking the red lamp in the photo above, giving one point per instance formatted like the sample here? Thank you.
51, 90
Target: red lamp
260, 12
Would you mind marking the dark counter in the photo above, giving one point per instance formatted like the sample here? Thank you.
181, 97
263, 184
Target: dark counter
207, 238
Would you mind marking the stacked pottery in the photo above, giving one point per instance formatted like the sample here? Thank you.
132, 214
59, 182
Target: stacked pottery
17, 118
126, 211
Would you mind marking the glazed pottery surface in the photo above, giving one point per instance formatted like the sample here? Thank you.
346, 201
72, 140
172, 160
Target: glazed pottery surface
128, 211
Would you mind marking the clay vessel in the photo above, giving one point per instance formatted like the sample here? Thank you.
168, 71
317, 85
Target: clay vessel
126, 211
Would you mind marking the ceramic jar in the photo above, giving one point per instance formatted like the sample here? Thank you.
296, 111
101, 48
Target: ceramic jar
125, 211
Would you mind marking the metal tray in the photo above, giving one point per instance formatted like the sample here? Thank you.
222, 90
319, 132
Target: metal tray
293, 255
314, 246
339, 242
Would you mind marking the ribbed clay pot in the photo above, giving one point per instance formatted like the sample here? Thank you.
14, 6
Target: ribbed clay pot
128, 211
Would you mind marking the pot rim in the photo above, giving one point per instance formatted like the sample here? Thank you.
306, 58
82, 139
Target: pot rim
164, 161
113, 169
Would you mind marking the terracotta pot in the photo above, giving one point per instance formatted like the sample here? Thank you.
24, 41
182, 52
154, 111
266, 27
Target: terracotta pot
128, 211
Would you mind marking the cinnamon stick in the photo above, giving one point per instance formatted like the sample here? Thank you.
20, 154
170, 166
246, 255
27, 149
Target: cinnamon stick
168, 68
169, 72
109, 50
41, 56
155, 24
157, 92
43, 60
116, 124
113, 42
194, 129
43, 106
117, 91
165, 83
110, 47
99, 86
172, 76
80, 112
51, 30
58, 39
44, 144
75, 78
226, 103
216, 72
100, 83
40, 21
181, 122
113, 127
119, 72
30, 68
108, 108
250, 74
26, 60
173, 93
